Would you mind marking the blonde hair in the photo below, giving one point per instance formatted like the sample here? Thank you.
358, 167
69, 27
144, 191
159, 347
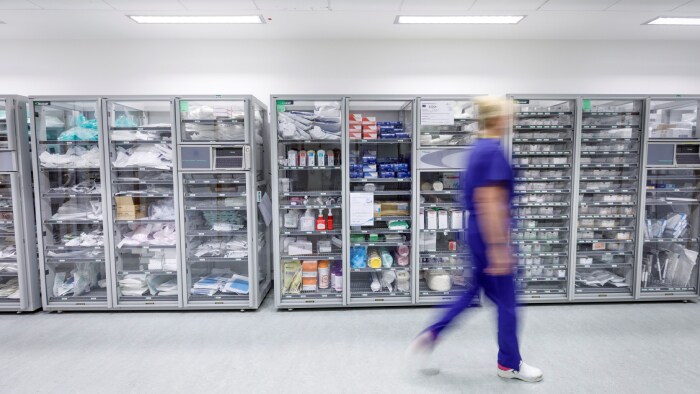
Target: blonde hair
491, 109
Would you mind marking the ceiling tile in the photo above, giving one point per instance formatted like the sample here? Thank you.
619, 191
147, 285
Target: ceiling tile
577, 5
693, 6
437, 5
150, 5
646, 5
365, 5
17, 5
292, 5
507, 5
83, 5
218, 5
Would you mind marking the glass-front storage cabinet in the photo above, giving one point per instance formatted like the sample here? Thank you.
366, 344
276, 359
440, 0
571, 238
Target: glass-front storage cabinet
70, 202
222, 176
609, 182
447, 126
144, 225
671, 224
380, 171
308, 158
19, 273
543, 150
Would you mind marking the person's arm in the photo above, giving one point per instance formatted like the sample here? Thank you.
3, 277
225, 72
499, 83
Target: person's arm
491, 203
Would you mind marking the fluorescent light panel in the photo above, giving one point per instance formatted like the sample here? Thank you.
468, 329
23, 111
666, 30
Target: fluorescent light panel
459, 19
682, 21
196, 19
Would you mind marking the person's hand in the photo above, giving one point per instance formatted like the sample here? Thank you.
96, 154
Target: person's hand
500, 259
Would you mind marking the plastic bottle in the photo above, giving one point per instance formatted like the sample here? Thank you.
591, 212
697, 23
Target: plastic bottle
306, 222
302, 158
324, 274
320, 221
329, 220
330, 158
321, 158
311, 158
337, 276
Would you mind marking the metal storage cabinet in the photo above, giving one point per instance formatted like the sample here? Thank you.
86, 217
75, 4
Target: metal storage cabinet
19, 281
223, 175
543, 148
69, 191
447, 127
143, 198
308, 123
670, 232
609, 156
380, 130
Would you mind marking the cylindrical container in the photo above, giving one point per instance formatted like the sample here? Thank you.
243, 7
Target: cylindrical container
321, 158
311, 158
324, 274
302, 158
337, 276
330, 158
292, 158
373, 259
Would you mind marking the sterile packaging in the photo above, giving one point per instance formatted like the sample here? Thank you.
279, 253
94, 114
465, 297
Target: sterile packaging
429, 242
369, 135
370, 174
450, 181
432, 219
324, 246
421, 218
355, 118
300, 248
369, 167
442, 220
385, 174
403, 174
456, 220
355, 135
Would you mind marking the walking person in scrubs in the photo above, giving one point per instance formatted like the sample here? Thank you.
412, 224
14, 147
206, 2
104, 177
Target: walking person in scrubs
488, 190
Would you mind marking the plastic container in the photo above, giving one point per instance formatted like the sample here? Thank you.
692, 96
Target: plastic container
324, 274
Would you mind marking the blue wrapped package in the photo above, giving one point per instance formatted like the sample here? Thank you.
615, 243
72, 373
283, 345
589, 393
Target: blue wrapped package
358, 257
403, 174
385, 174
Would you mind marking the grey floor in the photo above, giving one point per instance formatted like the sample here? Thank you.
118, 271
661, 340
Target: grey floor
617, 348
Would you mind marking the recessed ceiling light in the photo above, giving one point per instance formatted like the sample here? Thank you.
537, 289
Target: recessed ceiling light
195, 19
477, 19
682, 21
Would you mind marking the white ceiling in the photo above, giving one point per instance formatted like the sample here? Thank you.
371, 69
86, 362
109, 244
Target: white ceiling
347, 19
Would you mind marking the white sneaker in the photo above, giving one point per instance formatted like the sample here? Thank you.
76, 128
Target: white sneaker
526, 373
419, 354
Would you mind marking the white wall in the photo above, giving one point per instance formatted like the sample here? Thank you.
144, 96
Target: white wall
381, 66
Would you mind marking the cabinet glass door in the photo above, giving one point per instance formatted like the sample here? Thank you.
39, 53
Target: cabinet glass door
380, 143
448, 123
608, 196
216, 237
143, 208
543, 151
219, 121
4, 136
443, 260
671, 232
310, 184
673, 119
10, 291
69, 188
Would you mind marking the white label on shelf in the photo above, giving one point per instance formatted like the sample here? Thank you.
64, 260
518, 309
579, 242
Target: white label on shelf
437, 113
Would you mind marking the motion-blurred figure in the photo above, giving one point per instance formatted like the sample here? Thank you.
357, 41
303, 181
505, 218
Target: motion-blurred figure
488, 190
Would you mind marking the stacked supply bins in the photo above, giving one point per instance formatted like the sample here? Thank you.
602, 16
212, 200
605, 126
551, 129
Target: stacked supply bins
543, 151
380, 168
222, 176
609, 150
670, 230
70, 195
447, 127
308, 154
19, 283
143, 194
